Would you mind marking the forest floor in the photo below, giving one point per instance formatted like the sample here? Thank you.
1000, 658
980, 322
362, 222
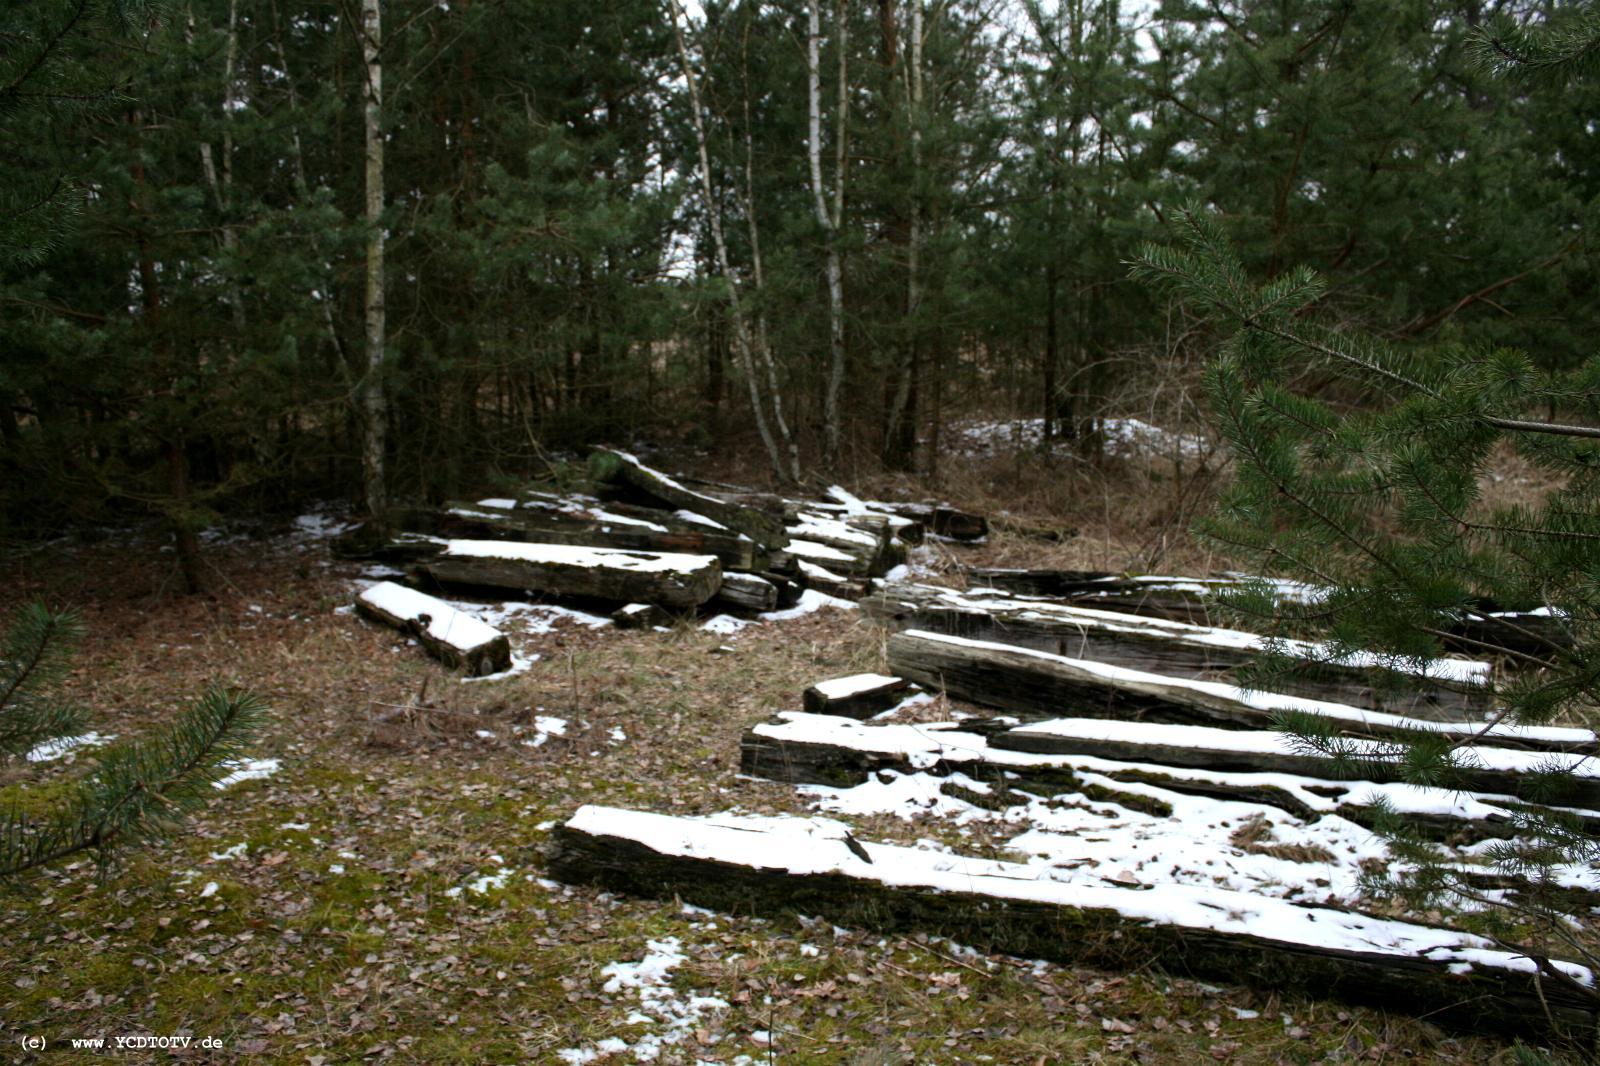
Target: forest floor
381, 893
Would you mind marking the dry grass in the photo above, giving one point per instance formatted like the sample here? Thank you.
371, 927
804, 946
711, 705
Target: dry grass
1256, 835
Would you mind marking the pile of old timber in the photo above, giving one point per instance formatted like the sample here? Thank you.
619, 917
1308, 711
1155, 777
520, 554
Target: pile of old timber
1191, 848
649, 546
1479, 628
1164, 819
1448, 687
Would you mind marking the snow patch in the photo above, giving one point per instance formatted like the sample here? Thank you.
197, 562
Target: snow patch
672, 1015
811, 601
246, 770
65, 747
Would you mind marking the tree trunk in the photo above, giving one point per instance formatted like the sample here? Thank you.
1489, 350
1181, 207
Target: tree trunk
177, 507
185, 539
829, 221
221, 181
743, 344
758, 277
902, 429
374, 403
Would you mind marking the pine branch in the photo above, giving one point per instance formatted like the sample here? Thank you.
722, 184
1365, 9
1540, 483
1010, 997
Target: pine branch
33, 658
141, 790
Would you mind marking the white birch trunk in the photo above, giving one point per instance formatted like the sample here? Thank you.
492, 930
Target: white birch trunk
374, 403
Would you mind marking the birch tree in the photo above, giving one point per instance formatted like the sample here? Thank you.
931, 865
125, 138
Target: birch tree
374, 404
743, 342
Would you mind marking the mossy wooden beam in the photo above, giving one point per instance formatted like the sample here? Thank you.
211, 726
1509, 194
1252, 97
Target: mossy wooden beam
888, 892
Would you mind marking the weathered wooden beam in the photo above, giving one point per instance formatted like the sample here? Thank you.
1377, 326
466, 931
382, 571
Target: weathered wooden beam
825, 580
858, 552
774, 866
1538, 633
828, 750
837, 560
852, 508
790, 586
818, 748
747, 592
940, 519
1444, 689
614, 466
1481, 769
453, 637
639, 616
1484, 630
855, 547
372, 541
593, 526
1057, 583
1039, 684
856, 696
668, 579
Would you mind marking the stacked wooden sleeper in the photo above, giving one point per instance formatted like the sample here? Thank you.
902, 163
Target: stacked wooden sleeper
1151, 739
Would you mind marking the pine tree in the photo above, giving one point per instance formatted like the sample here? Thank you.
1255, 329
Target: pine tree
139, 790
1372, 488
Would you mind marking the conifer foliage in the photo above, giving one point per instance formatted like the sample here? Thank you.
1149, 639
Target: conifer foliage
1361, 470
138, 790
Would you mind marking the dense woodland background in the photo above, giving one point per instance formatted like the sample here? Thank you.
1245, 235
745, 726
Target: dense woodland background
820, 236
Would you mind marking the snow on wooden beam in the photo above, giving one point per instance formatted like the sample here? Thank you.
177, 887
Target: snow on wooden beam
1480, 769
615, 466
1039, 684
1484, 630
586, 523
1442, 688
825, 580
748, 592
857, 696
857, 511
828, 750
665, 578
453, 637
861, 547
941, 520
1058, 583
639, 616
768, 865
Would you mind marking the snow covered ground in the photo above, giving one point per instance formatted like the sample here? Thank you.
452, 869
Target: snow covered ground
989, 438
